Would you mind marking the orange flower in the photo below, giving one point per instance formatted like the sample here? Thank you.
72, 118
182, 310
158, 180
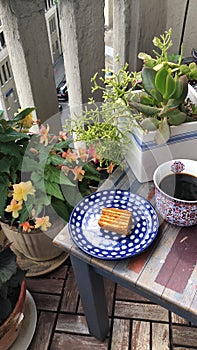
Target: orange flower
110, 168
92, 154
65, 169
71, 156
44, 132
22, 189
14, 207
43, 223
63, 135
79, 173
34, 151
64, 154
26, 226
83, 154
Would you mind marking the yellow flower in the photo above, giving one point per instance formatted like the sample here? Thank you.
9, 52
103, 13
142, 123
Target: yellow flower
43, 223
28, 121
14, 207
22, 189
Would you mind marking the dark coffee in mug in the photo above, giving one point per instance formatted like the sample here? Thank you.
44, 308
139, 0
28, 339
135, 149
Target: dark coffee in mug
181, 186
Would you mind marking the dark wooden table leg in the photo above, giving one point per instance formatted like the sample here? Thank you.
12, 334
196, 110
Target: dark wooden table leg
92, 293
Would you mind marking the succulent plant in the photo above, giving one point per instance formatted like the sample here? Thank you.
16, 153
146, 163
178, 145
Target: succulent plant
177, 63
162, 101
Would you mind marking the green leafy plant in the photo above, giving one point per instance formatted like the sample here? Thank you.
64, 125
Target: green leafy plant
41, 174
162, 102
105, 125
11, 277
161, 57
99, 128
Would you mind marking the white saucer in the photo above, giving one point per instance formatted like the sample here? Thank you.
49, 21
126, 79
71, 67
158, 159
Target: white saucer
28, 326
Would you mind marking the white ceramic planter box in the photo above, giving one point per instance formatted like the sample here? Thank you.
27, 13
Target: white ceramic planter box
144, 155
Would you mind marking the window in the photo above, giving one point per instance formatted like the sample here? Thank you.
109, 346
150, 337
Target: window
1, 80
4, 73
8, 70
2, 40
52, 25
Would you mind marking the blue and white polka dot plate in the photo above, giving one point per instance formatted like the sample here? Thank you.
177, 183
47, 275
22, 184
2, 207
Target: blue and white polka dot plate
103, 244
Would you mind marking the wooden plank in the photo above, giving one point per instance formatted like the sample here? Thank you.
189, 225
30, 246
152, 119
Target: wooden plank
177, 319
193, 305
140, 336
182, 335
180, 262
144, 277
72, 342
63, 240
45, 285
72, 324
61, 271
43, 332
141, 311
46, 301
120, 334
187, 300
160, 336
109, 294
147, 278
126, 294
70, 295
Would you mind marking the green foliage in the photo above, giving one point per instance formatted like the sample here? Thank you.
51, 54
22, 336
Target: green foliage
13, 143
163, 59
46, 161
163, 100
11, 277
159, 103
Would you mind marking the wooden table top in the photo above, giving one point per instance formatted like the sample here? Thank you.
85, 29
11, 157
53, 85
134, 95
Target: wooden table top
166, 270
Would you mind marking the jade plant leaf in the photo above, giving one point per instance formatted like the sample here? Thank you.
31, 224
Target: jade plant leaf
149, 110
175, 117
148, 78
160, 80
149, 124
170, 87
163, 132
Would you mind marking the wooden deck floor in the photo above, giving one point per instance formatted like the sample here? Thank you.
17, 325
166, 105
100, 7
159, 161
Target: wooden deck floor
136, 324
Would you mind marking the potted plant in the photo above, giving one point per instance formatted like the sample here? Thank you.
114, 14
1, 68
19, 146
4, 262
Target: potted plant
12, 298
157, 106
43, 178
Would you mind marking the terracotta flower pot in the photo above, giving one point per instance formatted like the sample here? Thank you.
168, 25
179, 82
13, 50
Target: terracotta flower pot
36, 246
9, 330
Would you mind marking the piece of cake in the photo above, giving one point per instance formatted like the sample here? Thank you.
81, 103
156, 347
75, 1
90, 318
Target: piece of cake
116, 220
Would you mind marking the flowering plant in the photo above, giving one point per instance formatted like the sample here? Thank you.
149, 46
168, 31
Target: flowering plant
41, 175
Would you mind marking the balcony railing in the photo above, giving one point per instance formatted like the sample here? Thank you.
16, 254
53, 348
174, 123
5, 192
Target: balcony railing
135, 22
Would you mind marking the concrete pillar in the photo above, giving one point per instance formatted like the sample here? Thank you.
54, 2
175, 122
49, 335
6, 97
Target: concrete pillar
109, 13
28, 48
135, 24
82, 29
